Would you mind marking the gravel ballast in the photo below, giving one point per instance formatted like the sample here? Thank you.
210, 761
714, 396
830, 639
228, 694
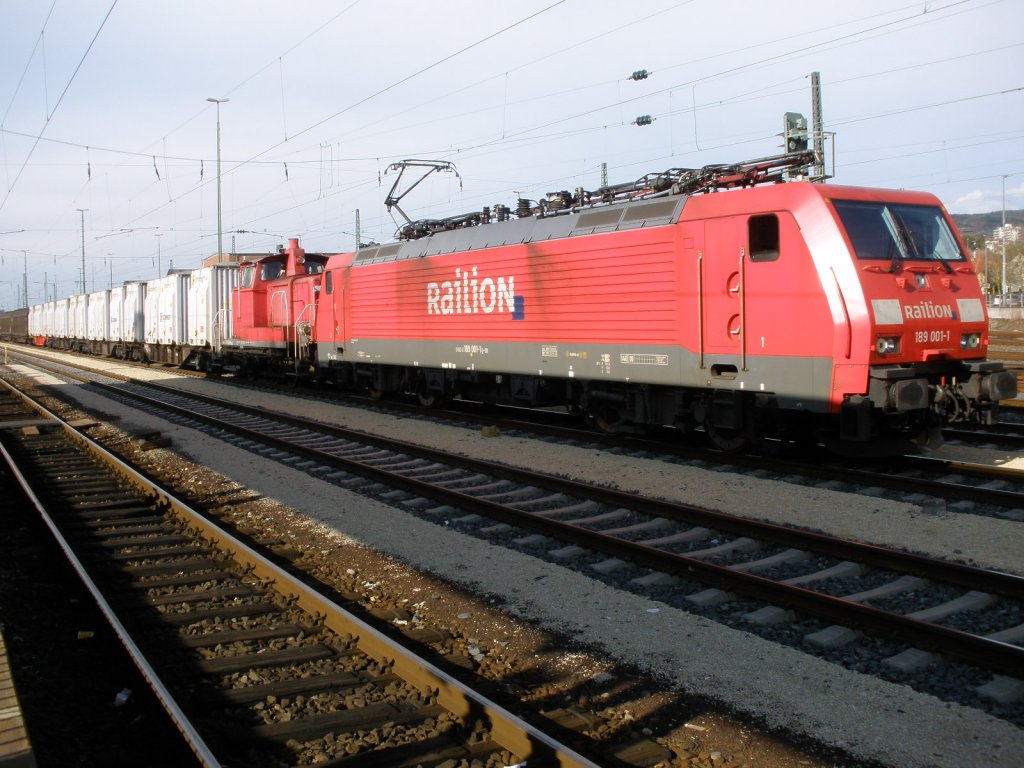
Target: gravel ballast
782, 687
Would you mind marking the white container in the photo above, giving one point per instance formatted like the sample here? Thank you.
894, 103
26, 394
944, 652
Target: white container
165, 309
78, 316
43, 323
151, 312
210, 294
114, 313
132, 312
61, 319
97, 323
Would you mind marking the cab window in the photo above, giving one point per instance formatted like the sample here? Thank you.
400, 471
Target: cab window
271, 270
763, 237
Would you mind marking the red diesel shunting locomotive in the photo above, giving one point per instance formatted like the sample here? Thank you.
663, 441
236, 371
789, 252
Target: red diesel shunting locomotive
770, 310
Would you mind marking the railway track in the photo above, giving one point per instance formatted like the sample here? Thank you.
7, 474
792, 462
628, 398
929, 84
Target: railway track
996, 491
1005, 435
701, 557
253, 665
1007, 347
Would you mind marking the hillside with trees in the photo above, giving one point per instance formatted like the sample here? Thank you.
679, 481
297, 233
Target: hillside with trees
977, 229
981, 225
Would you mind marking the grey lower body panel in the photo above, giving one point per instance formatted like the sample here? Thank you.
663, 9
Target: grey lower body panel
797, 382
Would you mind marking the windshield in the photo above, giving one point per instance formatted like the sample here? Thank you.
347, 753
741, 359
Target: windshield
271, 270
892, 231
248, 272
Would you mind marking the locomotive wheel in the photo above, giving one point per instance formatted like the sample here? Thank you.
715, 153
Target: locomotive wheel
726, 440
375, 394
429, 399
607, 420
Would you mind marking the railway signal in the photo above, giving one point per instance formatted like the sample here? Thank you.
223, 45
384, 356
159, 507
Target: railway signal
794, 132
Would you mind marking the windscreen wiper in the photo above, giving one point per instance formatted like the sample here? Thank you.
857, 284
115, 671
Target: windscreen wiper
897, 248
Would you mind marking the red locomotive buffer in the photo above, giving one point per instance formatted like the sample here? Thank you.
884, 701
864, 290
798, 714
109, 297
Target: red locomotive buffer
786, 311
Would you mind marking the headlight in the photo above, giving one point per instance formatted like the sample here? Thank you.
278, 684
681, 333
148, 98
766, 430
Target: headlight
970, 341
887, 345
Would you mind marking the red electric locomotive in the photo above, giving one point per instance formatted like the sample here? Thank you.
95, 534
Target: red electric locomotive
768, 311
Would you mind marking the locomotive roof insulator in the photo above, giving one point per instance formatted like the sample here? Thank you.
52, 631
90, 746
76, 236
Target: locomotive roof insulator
558, 201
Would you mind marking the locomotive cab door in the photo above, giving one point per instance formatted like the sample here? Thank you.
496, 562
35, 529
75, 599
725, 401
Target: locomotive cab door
330, 318
750, 295
335, 306
721, 265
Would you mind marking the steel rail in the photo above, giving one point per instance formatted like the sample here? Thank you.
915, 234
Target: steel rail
961, 575
196, 743
986, 435
966, 576
985, 652
509, 731
1000, 497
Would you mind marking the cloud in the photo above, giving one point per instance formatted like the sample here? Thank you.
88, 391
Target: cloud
976, 201
988, 200
1016, 195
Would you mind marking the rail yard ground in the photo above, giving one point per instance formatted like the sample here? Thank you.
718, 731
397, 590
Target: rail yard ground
745, 699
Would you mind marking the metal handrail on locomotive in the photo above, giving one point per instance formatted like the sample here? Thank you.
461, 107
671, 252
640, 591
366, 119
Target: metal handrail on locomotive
727, 299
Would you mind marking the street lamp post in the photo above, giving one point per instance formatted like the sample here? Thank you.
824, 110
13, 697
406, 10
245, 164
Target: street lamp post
984, 271
220, 229
1002, 238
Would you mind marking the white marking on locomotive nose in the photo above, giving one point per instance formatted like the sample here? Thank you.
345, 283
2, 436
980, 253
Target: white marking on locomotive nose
970, 310
887, 311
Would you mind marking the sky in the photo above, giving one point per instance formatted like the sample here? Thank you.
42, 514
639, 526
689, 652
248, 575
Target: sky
106, 131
